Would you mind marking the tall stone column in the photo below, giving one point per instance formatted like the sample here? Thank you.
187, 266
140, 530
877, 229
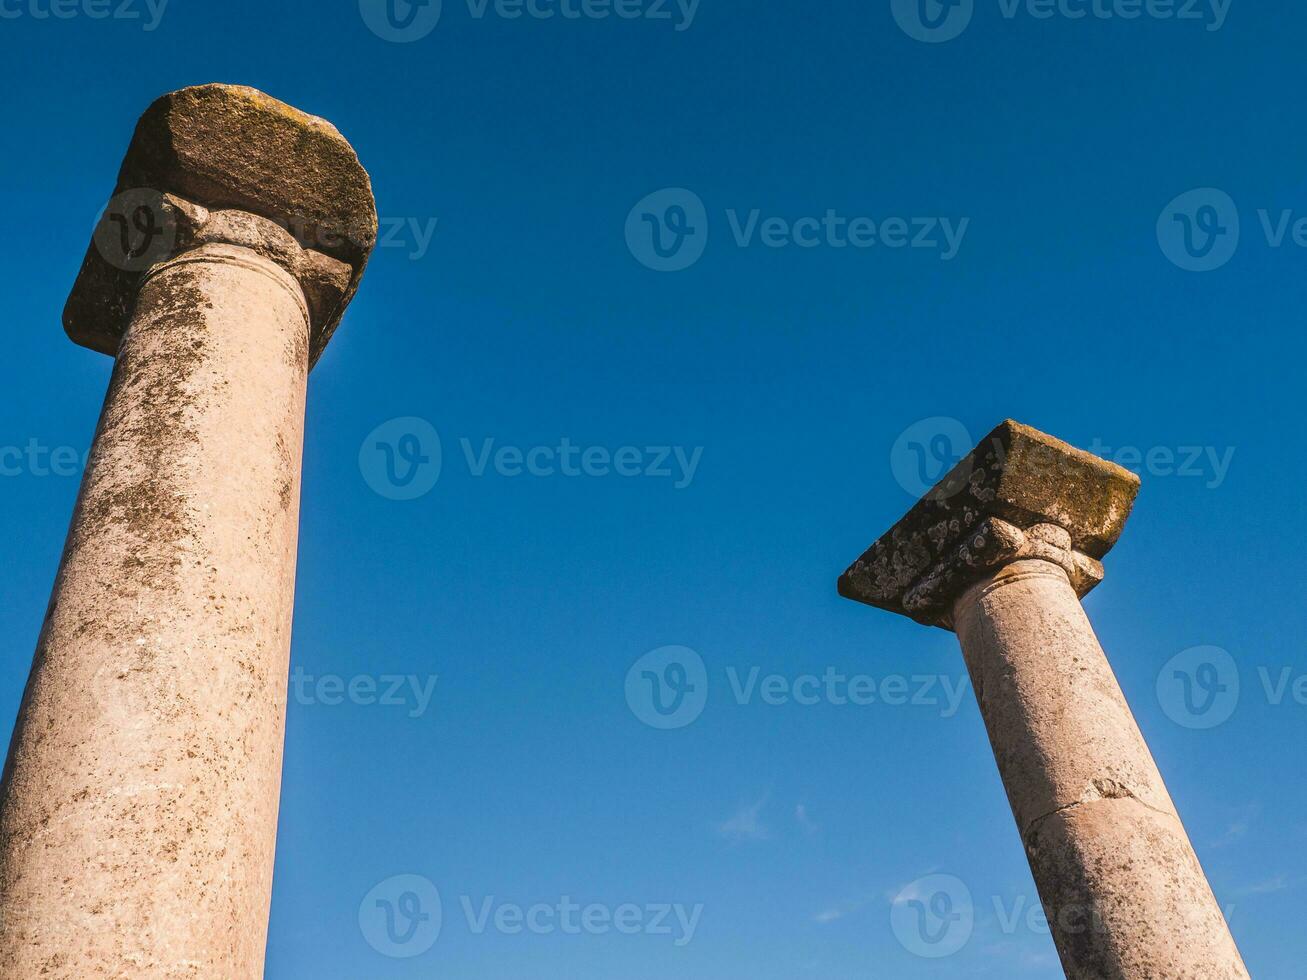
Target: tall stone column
138, 810
1002, 551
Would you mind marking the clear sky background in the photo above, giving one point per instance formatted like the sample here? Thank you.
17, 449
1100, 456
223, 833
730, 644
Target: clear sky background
803, 374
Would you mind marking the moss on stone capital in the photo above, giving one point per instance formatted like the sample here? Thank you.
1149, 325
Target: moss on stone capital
1016, 474
223, 147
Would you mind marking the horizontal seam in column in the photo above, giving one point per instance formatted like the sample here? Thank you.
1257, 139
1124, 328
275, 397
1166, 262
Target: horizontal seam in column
1035, 823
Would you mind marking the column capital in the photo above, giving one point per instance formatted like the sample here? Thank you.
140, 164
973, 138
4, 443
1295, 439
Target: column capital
201, 158
1019, 494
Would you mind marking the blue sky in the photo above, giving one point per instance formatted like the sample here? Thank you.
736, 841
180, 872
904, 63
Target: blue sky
772, 376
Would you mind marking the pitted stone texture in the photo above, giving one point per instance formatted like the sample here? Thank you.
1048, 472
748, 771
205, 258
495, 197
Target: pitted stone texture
994, 543
1124, 892
139, 804
1060, 727
1016, 474
232, 148
324, 281
1126, 899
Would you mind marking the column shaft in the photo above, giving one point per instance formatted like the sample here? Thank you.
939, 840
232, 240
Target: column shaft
1123, 890
139, 804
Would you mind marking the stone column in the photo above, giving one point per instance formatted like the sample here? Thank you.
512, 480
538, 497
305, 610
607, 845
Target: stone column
1001, 551
138, 809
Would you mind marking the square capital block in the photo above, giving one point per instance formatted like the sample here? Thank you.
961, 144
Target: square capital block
1018, 494
225, 148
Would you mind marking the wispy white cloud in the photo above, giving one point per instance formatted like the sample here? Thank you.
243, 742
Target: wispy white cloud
745, 824
910, 890
836, 912
805, 821
1271, 885
1239, 826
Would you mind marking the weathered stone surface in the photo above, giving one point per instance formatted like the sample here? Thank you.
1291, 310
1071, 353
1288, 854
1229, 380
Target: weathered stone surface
1016, 474
138, 807
224, 148
1126, 899
1001, 551
1124, 892
138, 810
